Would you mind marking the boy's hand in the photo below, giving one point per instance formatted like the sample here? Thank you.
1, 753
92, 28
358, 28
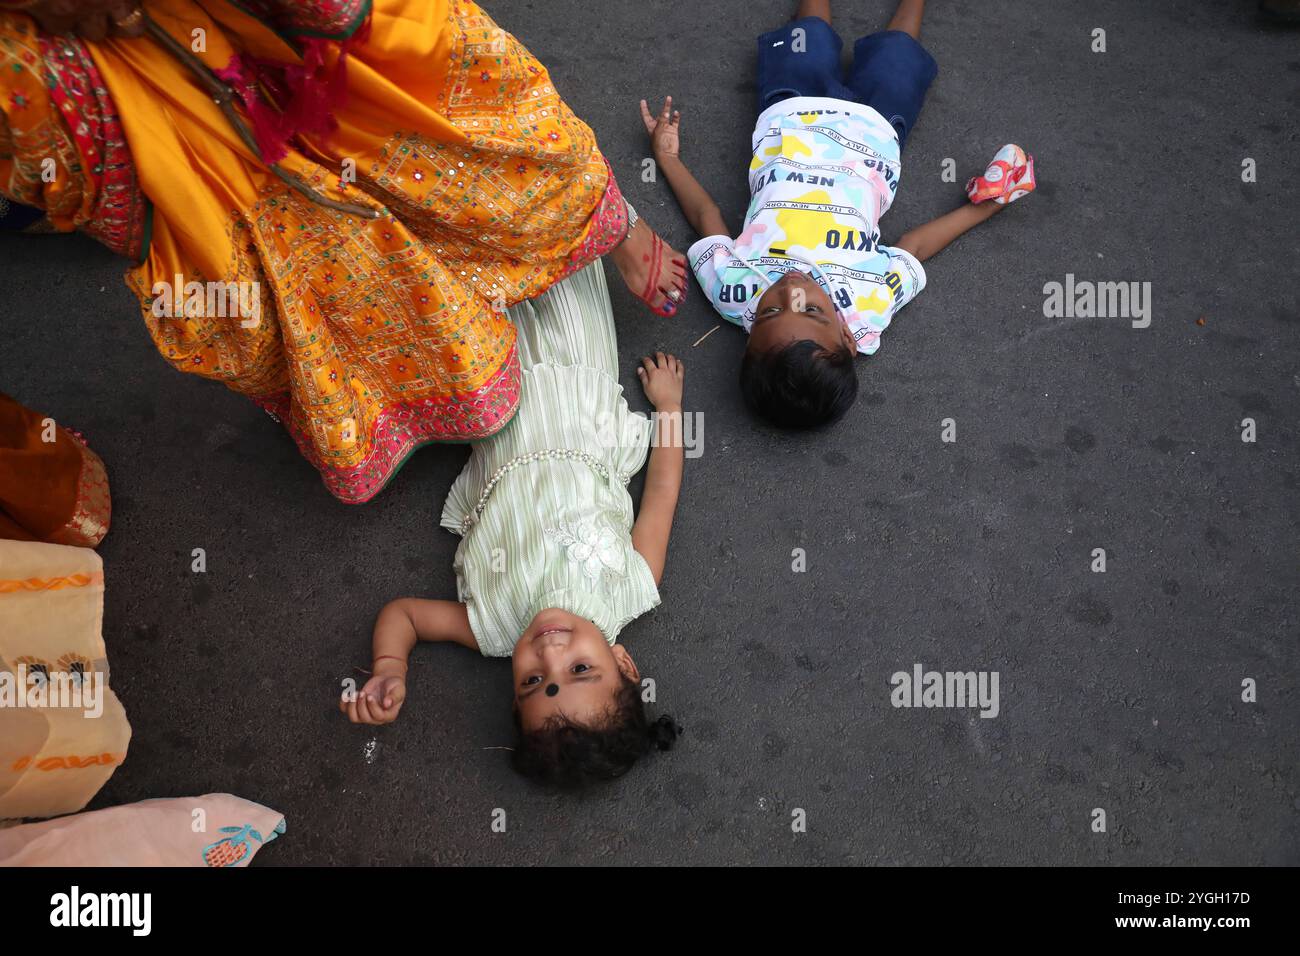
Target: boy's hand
663, 130
376, 703
661, 376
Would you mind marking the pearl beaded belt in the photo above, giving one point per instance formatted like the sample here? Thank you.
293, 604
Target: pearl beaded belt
551, 454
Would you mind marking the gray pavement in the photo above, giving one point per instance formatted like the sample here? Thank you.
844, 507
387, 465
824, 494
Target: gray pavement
1119, 690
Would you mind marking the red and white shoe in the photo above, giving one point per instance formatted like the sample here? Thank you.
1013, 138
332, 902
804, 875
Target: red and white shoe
1009, 176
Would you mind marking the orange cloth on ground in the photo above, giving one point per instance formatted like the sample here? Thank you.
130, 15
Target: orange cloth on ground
52, 487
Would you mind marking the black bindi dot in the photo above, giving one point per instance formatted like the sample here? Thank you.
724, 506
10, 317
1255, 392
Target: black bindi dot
552, 690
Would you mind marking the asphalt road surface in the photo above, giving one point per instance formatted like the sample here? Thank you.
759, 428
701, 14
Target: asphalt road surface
1120, 690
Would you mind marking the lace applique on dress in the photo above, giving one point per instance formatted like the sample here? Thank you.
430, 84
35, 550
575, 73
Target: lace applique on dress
596, 548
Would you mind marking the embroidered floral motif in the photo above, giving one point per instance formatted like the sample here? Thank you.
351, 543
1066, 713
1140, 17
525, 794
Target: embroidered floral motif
596, 548
37, 669
76, 666
231, 850
608, 227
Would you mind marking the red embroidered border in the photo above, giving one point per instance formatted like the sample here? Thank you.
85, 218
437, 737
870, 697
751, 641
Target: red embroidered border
605, 230
78, 91
400, 429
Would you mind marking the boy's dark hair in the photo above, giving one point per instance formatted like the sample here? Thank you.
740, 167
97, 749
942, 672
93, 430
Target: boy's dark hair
573, 756
800, 386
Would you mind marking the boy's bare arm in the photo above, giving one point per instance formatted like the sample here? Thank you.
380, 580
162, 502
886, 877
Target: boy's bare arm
929, 240
665, 139
697, 205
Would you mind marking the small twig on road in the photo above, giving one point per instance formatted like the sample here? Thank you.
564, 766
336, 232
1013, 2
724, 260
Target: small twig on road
706, 335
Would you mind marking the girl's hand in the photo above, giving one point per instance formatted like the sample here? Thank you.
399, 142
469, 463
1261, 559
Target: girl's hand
661, 376
378, 702
663, 130
89, 19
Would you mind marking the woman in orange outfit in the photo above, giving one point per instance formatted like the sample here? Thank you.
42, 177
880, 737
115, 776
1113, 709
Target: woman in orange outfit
429, 177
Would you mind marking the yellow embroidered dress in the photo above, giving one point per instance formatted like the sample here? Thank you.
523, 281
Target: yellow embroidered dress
369, 336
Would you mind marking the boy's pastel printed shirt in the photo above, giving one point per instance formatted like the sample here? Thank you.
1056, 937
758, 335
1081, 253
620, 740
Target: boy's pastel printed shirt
823, 173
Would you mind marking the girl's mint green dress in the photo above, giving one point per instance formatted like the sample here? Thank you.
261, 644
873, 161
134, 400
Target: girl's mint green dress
542, 506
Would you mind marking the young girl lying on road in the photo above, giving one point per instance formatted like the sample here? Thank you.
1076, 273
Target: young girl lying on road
551, 565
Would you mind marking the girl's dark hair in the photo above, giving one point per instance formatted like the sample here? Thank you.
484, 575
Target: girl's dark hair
573, 756
801, 385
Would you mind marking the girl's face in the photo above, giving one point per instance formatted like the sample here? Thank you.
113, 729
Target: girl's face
563, 665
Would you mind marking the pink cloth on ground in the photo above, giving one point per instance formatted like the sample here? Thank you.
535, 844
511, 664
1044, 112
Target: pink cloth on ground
213, 830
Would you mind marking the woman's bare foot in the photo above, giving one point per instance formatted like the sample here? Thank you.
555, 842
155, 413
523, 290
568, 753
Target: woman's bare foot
654, 271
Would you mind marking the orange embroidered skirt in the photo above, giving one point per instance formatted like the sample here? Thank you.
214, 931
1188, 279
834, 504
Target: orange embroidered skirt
365, 337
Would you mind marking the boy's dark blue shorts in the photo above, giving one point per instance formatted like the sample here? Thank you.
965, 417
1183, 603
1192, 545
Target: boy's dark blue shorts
890, 73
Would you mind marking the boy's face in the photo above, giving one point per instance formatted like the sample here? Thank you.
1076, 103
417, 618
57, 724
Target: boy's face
563, 664
793, 309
